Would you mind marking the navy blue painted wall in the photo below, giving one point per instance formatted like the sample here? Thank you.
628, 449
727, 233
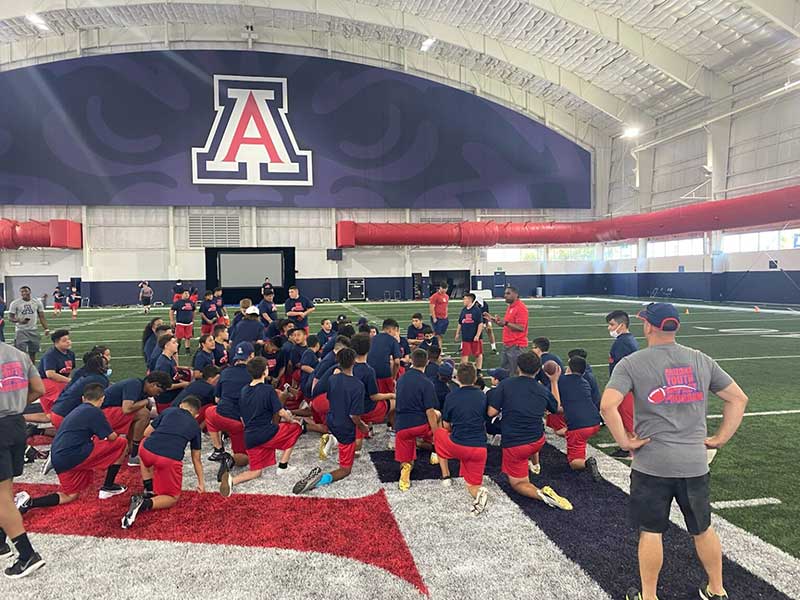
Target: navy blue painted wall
757, 286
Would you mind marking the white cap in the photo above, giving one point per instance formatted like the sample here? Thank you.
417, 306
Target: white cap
251, 310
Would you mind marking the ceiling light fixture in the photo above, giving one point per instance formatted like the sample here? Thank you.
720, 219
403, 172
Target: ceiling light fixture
631, 132
780, 90
427, 44
37, 21
796, 61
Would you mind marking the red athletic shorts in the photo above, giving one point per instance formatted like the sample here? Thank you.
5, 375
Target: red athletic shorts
167, 473
347, 455
376, 415
405, 443
473, 458
57, 305
193, 298
104, 454
472, 348
119, 421
51, 391
576, 441
162, 407
235, 429
626, 412
207, 328
201, 416
263, 455
184, 332
74, 305
56, 420
515, 459
386, 385
319, 409
176, 297
556, 421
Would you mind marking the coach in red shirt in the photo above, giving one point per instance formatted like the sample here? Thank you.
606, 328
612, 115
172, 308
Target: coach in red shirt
515, 329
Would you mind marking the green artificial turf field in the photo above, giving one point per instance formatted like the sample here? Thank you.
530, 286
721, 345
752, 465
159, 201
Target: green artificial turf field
756, 348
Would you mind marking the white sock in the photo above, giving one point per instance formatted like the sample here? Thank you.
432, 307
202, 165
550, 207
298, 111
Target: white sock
494, 346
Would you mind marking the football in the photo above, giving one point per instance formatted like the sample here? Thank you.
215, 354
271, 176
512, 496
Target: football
550, 367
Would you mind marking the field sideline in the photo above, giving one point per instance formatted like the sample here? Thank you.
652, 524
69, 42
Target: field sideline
756, 348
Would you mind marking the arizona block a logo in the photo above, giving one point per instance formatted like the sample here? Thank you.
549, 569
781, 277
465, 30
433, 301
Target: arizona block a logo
251, 141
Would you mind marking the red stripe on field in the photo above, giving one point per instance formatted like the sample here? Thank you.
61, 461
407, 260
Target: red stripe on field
363, 529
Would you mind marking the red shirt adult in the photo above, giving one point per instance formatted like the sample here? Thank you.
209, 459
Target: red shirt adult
439, 302
516, 313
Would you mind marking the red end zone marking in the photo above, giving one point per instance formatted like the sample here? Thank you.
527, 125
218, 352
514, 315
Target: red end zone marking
363, 529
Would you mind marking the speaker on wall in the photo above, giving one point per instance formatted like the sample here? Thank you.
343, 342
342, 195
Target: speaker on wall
334, 253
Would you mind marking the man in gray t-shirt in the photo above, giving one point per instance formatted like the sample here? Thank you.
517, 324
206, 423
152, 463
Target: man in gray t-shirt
670, 385
26, 312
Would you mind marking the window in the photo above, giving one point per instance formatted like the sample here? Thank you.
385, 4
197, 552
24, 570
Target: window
620, 251
684, 247
761, 241
583, 252
512, 254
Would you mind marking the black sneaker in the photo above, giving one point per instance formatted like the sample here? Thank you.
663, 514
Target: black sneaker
591, 464
308, 482
225, 464
30, 455
633, 594
620, 453
133, 510
24, 568
5, 551
216, 455
705, 594
31, 429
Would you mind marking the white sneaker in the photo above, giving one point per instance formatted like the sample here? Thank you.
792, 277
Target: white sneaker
48, 465
497, 440
21, 498
390, 442
446, 483
535, 469
331, 444
109, 492
280, 472
479, 505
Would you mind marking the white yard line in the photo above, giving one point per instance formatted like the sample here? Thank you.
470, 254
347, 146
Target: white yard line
744, 503
765, 413
773, 311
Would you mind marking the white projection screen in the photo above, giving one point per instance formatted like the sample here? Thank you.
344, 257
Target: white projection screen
248, 269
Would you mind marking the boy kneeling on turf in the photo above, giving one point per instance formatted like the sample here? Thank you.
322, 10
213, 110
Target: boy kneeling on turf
462, 435
346, 398
267, 427
581, 414
415, 416
84, 443
161, 458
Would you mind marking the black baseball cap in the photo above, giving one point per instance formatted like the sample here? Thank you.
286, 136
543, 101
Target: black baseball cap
661, 315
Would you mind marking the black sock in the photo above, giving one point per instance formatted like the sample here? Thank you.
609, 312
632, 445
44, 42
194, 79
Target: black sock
283, 465
111, 475
147, 504
221, 449
2, 536
148, 485
45, 501
23, 546
134, 449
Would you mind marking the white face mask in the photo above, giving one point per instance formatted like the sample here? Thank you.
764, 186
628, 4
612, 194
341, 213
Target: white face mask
109, 372
614, 333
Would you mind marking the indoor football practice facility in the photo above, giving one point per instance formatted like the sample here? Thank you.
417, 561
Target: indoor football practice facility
399, 299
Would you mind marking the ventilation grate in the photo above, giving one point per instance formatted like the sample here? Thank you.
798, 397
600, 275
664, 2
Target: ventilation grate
214, 230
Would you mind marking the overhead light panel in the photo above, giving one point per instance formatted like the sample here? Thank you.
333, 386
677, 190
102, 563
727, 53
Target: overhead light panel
780, 90
796, 61
427, 44
37, 21
631, 132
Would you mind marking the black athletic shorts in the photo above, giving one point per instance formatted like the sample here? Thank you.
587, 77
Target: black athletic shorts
146, 300
651, 498
12, 446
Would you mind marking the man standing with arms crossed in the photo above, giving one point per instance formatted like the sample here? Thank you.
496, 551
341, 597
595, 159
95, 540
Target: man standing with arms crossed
26, 312
515, 330
670, 385
20, 385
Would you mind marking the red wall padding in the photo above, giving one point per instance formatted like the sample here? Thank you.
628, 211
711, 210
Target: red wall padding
763, 208
58, 233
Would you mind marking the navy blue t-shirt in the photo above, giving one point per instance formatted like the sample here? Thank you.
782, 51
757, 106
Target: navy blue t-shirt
220, 355
258, 403
208, 308
248, 330
442, 388
541, 376
405, 348
269, 309
624, 345
127, 389
71, 396
174, 428
200, 388
576, 398
415, 395
184, 312
170, 367
431, 370
383, 349
202, 359
323, 384
469, 319
592, 381
272, 363
346, 397
428, 344
300, 304
60, 362
309, 359
523, 401
464, 409
149, 345
73, 442
229, 389
151, 362
328, 346
323, 337
414, 333
366, 375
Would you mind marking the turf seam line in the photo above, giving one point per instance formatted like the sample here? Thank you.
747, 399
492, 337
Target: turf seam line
745, 503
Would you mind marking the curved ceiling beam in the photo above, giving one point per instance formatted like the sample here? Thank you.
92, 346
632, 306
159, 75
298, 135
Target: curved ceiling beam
785, 13
688, 73
605, 101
